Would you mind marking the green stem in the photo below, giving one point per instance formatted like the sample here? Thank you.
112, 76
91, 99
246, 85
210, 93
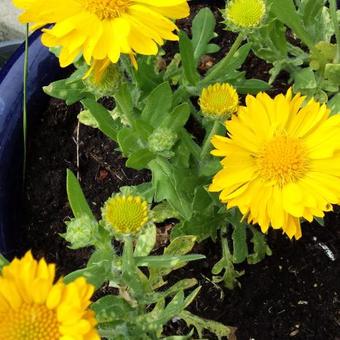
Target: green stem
226, 60
24, 118
333, 13
207, 143
225, 247
128, 249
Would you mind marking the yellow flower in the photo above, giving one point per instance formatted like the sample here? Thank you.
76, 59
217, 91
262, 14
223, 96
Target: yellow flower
218, 101
101, 29
245, 14
125, 214
33, 307
281, 161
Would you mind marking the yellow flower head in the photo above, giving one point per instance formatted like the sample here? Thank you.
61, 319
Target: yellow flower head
101, 29
281, 161
33, 307
218, 101
245, 14
125, 214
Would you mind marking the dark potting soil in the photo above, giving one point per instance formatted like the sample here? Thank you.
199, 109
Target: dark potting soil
293, 294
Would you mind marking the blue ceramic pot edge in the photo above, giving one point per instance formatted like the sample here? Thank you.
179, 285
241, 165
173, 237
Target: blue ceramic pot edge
43, 68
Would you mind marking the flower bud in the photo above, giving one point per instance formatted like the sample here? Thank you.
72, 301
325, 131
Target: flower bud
81, 232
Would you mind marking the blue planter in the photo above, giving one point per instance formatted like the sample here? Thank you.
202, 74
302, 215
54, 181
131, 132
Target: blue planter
42, 69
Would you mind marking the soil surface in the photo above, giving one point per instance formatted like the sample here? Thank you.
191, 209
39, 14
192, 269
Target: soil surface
293, 294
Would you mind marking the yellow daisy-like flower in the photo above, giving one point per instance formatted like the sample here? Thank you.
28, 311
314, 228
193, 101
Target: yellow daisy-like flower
281, 161
33, 307
101, 29
245, 14
125, 215
218, 101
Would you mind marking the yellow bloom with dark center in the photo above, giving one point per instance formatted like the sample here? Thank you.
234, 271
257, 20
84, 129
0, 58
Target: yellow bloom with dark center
281, 161
125, 215
101, 29
33, 307
218, 101
245, 14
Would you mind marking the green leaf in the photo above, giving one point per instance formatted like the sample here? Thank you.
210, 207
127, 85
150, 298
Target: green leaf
146, 76
203, 27
332, 73
178, 246
165, 261
181, 245
252, 86
311, 10
98, 269
69, 91
188, 60
202, 324
111, 308
334, 104
140, 159
177, 117
162, 212
146, 241
3, 262
76, 196
304, 79
286, 12
240, 247
225, 68
166, 181
128, 141
157, 104
106, 123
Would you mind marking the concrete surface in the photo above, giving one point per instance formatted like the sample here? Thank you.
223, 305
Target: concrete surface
10, 28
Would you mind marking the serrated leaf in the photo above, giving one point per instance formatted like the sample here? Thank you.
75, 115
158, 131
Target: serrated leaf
261, 249
202, 324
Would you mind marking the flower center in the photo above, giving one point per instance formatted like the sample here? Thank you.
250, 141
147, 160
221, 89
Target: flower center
246, 13
106, 9
29, 322
125, 214
283, 160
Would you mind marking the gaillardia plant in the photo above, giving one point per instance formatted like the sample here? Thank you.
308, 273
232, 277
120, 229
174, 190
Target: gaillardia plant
160, 111
281, 161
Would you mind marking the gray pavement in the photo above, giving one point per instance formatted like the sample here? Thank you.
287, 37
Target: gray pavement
10, 28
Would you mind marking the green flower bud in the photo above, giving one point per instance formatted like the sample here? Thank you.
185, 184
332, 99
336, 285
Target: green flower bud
108, 82
162, 139
81, 232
